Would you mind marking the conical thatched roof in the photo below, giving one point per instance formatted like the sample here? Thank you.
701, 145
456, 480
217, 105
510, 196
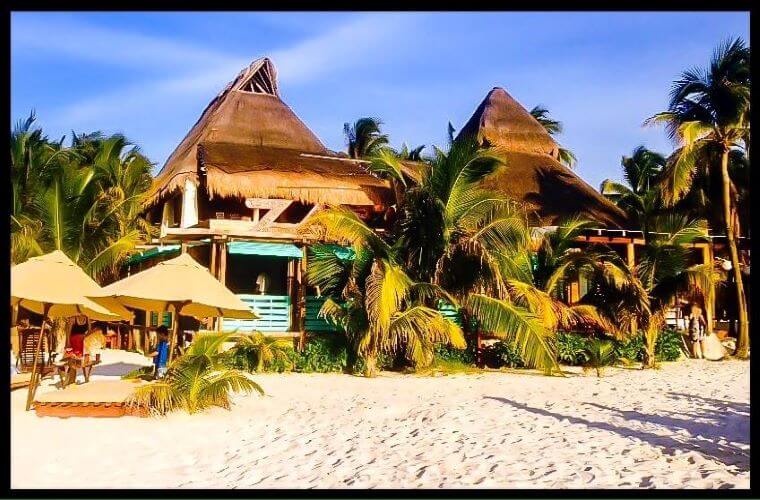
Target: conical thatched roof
248, 132
533, 174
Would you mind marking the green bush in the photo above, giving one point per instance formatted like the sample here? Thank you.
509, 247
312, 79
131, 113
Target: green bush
631, 349
447, 353
384, 362
322, 354
571, 348
600, 353
502, 354
668, 345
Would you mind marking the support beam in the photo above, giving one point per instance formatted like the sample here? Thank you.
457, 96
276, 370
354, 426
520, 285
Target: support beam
222, 276
302, 284
707, 258
630, 260
292, 294
212, 263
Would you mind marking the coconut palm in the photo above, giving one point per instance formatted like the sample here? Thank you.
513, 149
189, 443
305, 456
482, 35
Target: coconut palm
667, 272
557, 261
123, 175
641, 198
256, 352
709, 108
475, 244
553, 127
85, 200
364, 138
32, 155
381, 309
199, 379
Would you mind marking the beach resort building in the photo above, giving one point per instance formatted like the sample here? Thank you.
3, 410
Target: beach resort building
248, 174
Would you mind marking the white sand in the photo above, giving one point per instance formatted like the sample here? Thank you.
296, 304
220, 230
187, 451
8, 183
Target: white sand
683, 426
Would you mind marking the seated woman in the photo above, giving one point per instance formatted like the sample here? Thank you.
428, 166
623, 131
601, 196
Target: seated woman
76, 339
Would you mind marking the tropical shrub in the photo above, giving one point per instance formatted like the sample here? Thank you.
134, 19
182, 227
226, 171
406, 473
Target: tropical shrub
257, 353
600, 353
571, 348
323, 353
197, 380
668, 346
445, 352
631, 349
502, 354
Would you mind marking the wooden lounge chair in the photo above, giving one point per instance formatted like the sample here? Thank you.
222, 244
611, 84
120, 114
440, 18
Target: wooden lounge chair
20, 380
28, 339
67, 368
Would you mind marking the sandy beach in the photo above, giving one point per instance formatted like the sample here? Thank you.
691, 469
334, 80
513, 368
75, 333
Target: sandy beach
685, 425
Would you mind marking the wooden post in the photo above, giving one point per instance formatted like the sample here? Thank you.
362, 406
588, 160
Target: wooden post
175, 308
222, 277
183, 247
292, 294
301, 279
212, 262
38, 348
707, 258
630, 258
574, 292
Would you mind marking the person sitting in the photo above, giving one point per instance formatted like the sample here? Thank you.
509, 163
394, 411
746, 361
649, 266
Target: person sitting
77, 336
76, 342
161, 354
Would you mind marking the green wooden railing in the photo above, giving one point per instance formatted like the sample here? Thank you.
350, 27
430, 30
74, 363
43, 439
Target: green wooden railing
166, 320
313, 322
273, 310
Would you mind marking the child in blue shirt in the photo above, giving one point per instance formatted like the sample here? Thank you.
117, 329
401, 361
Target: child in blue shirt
161, 354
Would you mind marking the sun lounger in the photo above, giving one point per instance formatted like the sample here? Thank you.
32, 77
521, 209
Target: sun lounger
20, 380
67, 369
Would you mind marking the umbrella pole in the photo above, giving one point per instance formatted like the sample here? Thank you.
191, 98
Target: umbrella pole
173, 338
35, 372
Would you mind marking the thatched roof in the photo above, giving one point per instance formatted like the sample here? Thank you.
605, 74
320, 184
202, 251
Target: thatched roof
255, 146
533, 174
264, 172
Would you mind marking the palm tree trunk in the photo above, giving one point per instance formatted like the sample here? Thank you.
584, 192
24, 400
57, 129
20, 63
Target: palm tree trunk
742, 344
370, 365
60, 330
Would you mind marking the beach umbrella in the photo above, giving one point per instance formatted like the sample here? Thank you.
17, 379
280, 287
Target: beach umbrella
182, 286
53, 286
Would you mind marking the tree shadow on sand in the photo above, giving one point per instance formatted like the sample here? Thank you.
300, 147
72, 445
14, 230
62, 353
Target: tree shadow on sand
710, 439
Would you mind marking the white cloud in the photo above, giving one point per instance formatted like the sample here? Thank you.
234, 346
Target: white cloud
59, 34
362, 41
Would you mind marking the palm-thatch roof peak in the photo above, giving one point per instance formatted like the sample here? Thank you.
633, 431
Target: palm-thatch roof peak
533, 175
500, 121
249, 143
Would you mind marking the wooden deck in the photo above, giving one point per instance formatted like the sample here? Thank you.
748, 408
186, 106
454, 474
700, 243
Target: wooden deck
93, 399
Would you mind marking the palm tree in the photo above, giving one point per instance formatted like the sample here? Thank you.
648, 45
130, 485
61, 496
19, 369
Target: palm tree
124, 176
199, 379
364, 137
382, 310
666, 272
553, 127
256, 352
472, 242
641, 198
709, 108
85, 200
32, 155
557, 261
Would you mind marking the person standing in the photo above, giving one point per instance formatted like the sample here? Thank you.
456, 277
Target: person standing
696, 322
161, 354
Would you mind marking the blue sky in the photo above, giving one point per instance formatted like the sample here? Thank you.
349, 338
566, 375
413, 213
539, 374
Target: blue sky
149, 75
